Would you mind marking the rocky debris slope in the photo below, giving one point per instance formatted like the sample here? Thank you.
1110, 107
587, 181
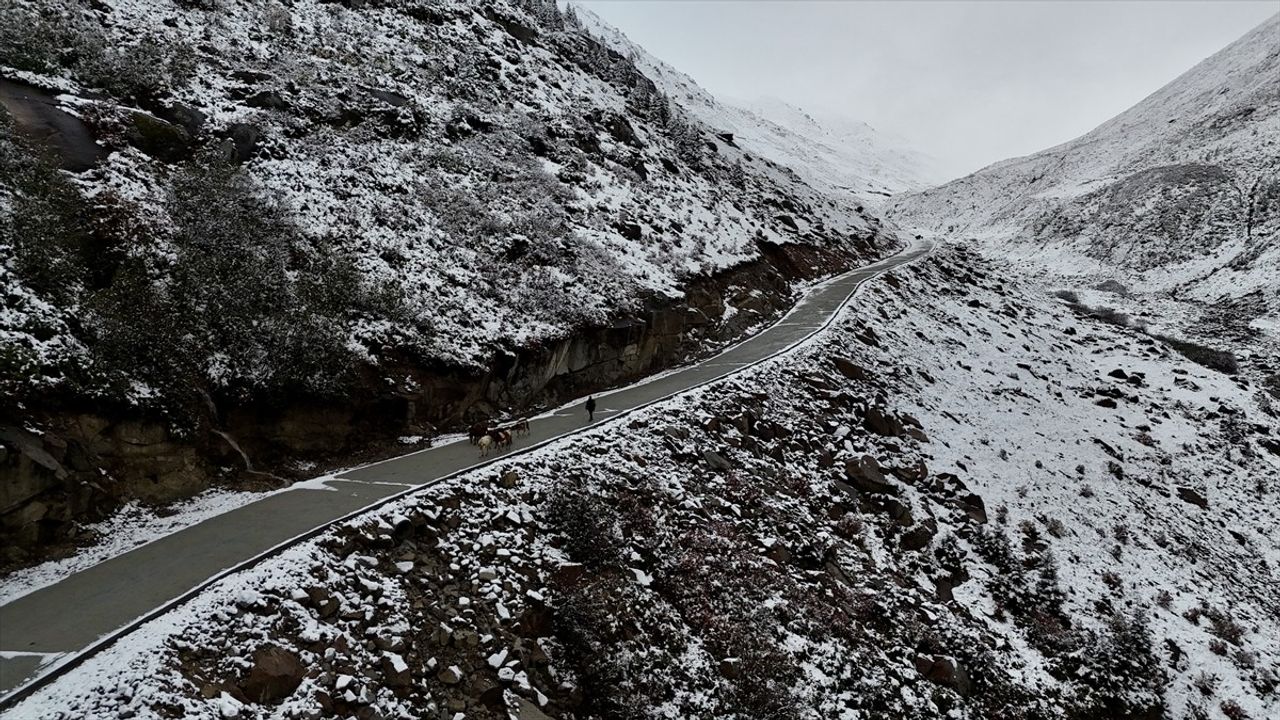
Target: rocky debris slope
950, 505
1179, 193
300, 230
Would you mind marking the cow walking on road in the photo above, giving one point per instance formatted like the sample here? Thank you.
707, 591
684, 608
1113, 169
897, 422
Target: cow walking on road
591, 409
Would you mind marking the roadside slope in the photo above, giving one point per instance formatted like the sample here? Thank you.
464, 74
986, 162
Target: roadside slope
869, 527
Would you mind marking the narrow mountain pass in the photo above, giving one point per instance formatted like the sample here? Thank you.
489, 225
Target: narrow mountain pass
58, 622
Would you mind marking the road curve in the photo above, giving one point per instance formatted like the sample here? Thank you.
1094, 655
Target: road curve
49, 631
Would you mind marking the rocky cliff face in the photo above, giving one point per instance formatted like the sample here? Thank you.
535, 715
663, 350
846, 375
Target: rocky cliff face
1179, 193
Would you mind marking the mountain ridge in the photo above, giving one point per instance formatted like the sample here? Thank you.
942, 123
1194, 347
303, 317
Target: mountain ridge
1179, 191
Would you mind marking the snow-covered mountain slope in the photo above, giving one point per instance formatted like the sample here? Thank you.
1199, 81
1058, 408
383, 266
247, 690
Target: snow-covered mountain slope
502, 175
836, 151
837, 154
990, 524
1180, 191
248, 235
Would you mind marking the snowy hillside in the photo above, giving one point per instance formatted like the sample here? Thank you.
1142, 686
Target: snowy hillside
837, 154
1182, 191
870, 528
267, 233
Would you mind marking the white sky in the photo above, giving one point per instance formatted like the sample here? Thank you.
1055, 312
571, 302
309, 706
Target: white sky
967, 82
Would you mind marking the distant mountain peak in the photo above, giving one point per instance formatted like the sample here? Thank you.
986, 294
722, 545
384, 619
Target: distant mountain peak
833, 153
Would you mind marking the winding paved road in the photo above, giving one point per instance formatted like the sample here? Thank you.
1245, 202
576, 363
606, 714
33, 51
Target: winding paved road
41, 631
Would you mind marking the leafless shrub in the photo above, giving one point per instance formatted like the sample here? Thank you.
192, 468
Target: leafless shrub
1223, 361
1232, 710
1245, 659
1055, 527
1121, 533
1164, 599
1206, 683
849, 526
1110, 316
1086, 491
587, 525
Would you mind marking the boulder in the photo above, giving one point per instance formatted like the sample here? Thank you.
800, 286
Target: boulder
164, 141
676, 432
974, 507
852, 370
716, 461
630, 230
395, 671
451, 675
882, 422
275, 674
243, 139
509, 479
865, 475
1194, 497
730, 667
913, 473
945, 671
898, 511
919, 537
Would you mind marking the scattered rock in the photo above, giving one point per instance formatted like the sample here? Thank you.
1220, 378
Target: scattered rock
323, 601
395, 671
451, 675
945, 671
865, 475
852, 370
882, 422
716, 461
275, 674
1191, 496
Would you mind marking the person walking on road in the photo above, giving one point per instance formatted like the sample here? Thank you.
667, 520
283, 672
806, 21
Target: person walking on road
591, 409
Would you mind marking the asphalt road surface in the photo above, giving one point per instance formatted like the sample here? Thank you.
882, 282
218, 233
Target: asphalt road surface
42, 628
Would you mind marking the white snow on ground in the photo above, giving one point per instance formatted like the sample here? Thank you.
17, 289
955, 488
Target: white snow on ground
1013, 403
133, 525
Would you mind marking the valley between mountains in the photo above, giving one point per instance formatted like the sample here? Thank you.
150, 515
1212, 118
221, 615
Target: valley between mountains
864, 446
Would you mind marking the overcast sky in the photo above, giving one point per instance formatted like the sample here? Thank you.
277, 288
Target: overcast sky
967, 82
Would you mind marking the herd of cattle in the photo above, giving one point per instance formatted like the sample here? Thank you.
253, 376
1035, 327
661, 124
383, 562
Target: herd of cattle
489, 439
